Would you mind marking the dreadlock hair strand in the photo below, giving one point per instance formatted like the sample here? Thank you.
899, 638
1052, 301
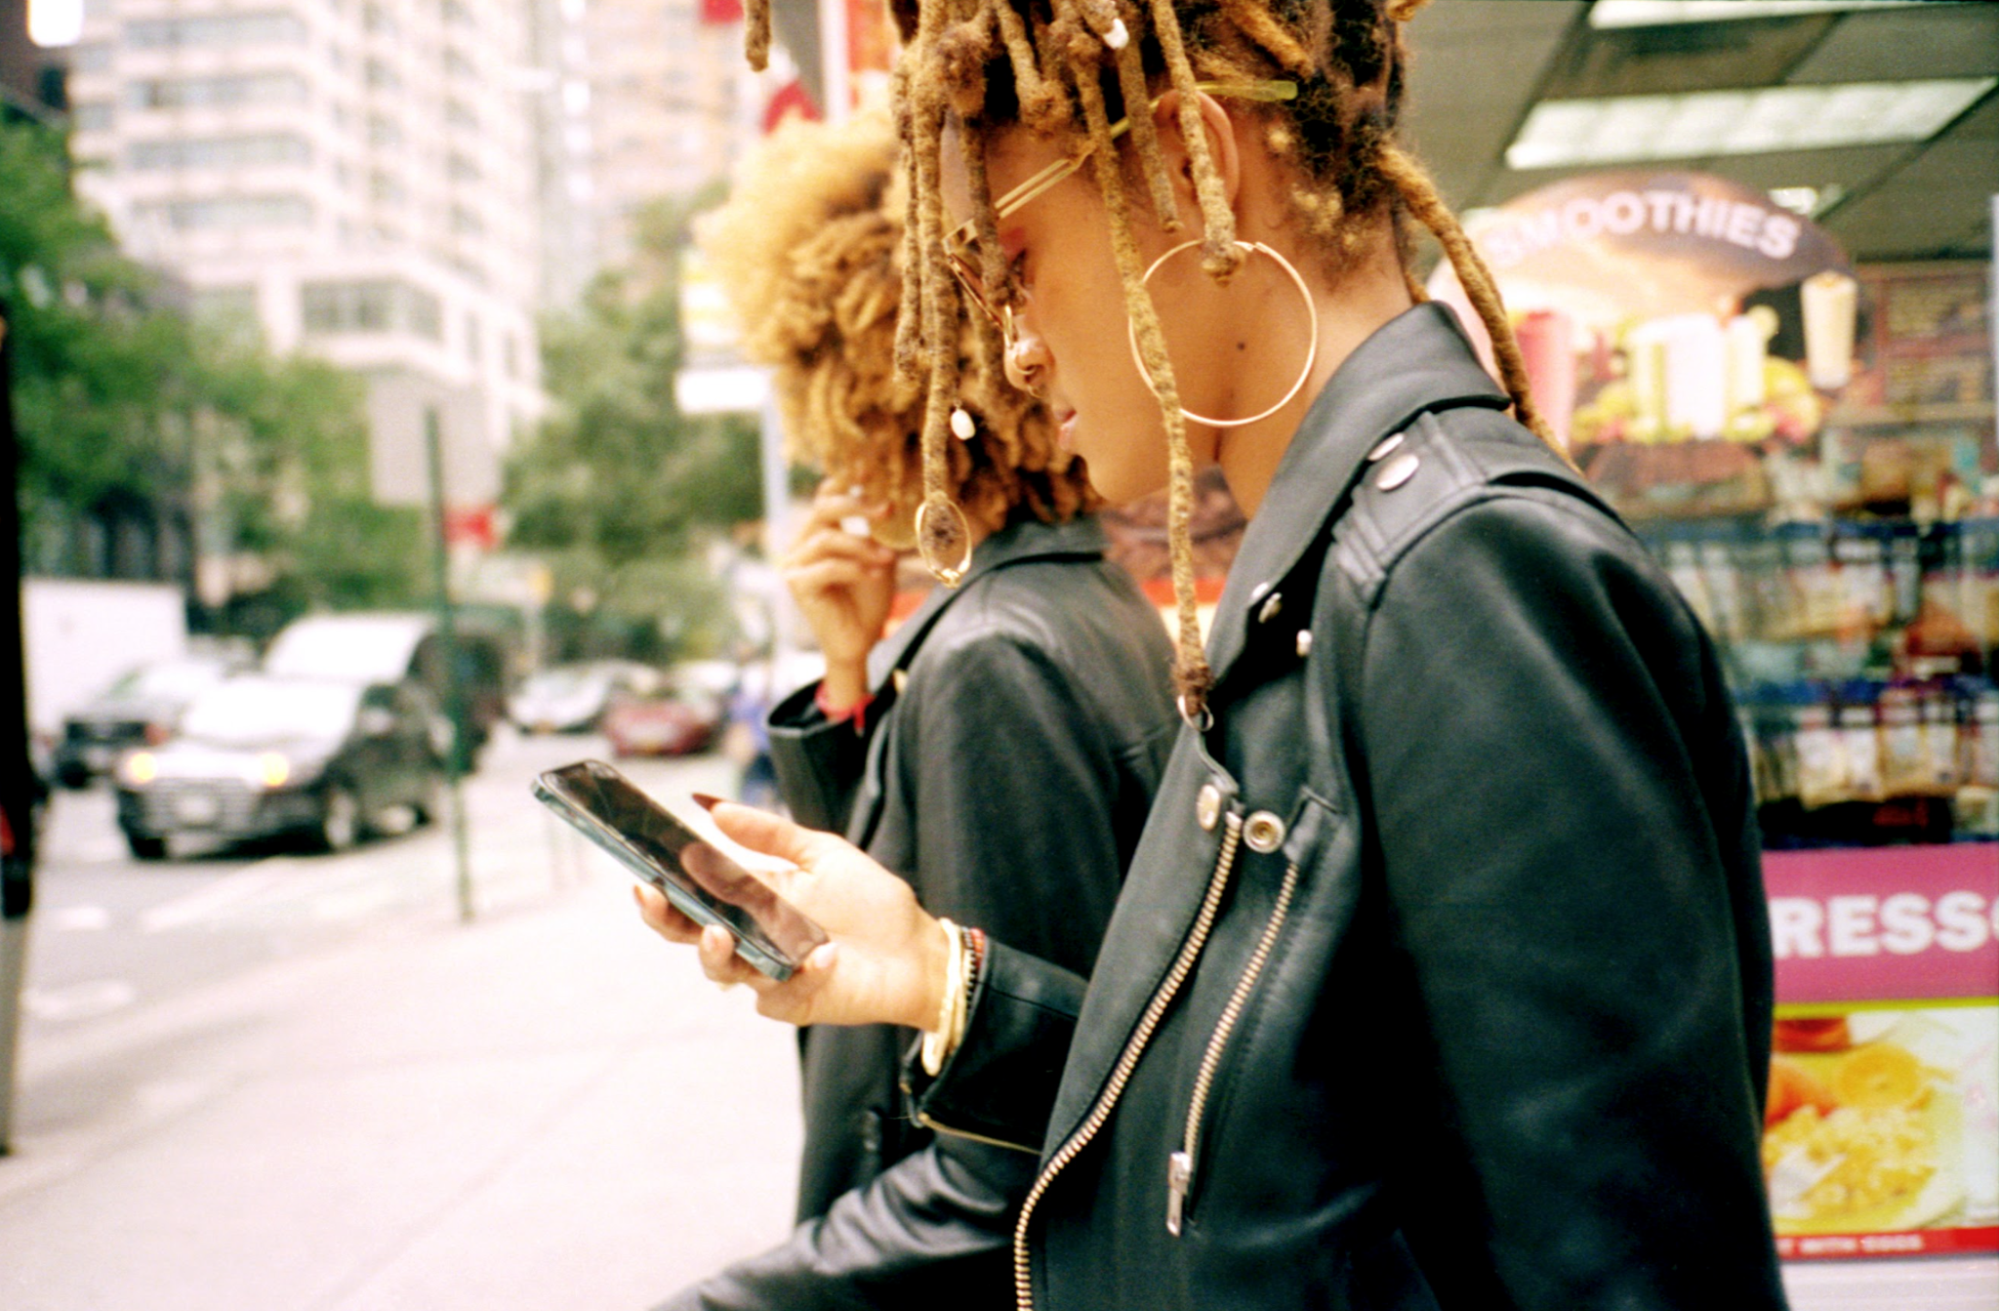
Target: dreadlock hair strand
1219, 255
1413, 186
756, 34
1145, 135
1191, 674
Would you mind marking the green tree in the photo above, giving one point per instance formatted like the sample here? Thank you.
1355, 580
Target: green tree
618, 488
125, 406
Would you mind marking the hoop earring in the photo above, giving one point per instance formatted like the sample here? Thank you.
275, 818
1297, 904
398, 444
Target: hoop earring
1311, 352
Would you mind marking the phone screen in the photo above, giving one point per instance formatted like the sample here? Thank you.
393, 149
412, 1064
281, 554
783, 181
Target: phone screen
697, 877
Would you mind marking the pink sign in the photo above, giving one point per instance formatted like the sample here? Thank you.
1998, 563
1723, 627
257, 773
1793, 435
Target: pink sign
1885, 924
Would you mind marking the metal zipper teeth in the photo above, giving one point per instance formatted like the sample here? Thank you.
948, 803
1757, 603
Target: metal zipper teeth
1183, 964
923, 1118
1211, 1060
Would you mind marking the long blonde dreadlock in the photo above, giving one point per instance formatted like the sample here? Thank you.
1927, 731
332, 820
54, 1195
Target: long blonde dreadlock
1066, 67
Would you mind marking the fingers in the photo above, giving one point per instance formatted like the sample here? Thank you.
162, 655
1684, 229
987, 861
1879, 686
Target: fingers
772, 835
660, 916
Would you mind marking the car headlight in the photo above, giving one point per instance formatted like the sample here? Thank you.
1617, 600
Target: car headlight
139, 769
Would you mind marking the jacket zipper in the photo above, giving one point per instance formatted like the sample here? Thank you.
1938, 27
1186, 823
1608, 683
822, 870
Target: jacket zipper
1134, 1047
924, 1119
1180, 1165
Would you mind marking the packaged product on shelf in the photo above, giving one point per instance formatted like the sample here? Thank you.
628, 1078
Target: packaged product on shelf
1978, 738
1723, 580
1860, 741
1940, 738
1821, 754
1905, 759
1861, 563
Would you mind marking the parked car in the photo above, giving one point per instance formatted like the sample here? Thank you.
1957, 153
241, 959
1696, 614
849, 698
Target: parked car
675, 721
260, 757
140, 707
392, 646
572, 698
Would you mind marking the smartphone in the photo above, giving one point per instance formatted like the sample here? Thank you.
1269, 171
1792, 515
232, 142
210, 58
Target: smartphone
690, 872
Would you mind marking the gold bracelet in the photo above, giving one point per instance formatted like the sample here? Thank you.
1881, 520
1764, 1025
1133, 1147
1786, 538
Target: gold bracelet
939, 1041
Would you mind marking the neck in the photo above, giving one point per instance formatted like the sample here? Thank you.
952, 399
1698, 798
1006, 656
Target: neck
1350, 308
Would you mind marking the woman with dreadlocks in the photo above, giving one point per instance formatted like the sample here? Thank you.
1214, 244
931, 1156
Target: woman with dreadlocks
1441, 976
1039, 684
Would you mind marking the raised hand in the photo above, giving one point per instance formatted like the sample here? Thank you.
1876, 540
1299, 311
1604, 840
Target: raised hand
843, 582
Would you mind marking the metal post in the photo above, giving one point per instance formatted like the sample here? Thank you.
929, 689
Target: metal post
447, 643
19, 786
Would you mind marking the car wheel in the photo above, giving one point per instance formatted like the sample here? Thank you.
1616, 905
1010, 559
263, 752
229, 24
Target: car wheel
339, 819
428, 807
146, 847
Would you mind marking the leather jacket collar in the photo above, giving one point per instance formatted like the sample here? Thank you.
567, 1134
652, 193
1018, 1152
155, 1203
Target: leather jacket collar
1024, 537
1420, 360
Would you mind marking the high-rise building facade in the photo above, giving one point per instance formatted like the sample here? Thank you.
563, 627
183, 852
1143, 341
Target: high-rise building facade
659, 106
355, 177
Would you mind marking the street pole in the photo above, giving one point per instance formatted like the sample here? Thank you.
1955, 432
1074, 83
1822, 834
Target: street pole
19, 786
447, 643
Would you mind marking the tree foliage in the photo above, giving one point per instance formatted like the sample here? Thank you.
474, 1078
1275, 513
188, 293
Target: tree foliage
617, 483
123, 401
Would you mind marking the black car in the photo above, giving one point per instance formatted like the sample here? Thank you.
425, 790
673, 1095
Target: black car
260, 757
139, 709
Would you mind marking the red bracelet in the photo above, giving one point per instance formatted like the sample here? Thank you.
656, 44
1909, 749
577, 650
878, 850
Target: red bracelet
858, 712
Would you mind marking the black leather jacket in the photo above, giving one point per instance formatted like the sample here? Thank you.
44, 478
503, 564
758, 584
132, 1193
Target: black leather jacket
1019, 727
1441, 977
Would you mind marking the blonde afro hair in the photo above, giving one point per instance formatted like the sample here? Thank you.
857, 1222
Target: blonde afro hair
809, 249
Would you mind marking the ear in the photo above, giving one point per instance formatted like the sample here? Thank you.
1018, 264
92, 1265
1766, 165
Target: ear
1218, 130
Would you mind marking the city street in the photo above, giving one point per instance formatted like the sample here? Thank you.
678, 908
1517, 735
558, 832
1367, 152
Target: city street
274, 1080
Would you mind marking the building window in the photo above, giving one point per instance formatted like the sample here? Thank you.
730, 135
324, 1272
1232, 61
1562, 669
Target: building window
94, 57
229, 212
466, 221
233, 89
475, 347
462, 168
229, 311
215, 30
376, 306
459, 114
221, 152
382, 77
92, 116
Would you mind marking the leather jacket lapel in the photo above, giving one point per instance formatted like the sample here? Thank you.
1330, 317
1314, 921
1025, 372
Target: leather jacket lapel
1026, 538
1418, 361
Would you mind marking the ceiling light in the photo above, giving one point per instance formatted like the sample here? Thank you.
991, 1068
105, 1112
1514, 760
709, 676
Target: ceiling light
1660, 13
1636, 129
1809, 201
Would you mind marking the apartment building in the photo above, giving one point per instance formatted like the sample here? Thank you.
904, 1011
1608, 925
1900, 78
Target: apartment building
356, 178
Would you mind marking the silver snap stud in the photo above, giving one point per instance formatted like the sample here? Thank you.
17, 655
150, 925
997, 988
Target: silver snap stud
1270, 608
1258, 592
1264, 832
1396, 472
1386, 448
1304, 642
1208, 806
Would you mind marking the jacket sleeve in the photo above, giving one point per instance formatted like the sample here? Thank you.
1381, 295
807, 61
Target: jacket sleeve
934, 1230
819, 764
1015, 786
1556, 783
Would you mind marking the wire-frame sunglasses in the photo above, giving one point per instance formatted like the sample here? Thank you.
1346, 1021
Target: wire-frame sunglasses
961, 247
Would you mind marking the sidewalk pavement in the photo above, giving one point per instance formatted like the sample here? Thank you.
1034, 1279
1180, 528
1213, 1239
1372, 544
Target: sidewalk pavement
548, 1108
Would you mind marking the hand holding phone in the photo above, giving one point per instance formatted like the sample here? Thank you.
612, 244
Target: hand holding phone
696, 877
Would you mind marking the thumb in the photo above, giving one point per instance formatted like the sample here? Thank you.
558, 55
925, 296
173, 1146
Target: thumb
771, 835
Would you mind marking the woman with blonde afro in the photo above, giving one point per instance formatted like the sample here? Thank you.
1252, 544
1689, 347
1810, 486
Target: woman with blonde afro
1442, 975
1038, 683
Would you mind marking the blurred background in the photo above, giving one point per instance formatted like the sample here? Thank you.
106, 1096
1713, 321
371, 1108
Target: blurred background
377, 439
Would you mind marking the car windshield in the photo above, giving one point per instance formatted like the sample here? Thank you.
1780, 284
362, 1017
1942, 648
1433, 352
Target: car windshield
167, 680
257, 710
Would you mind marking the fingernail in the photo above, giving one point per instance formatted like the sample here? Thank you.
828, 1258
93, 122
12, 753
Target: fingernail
823, 957
706, 802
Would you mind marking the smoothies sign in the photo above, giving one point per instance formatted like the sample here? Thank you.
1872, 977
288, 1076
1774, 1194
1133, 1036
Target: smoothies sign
1681, 333
1882, 1132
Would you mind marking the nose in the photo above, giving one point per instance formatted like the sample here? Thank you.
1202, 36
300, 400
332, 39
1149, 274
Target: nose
1027, 359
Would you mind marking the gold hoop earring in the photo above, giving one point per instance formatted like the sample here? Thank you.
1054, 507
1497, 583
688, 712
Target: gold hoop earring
1311, 316
937, 540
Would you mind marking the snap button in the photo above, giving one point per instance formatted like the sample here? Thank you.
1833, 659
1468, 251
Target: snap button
1304, 642
1208, 806
1258, 592
1396, 472
1264, 832
1385, 449
1270, 608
